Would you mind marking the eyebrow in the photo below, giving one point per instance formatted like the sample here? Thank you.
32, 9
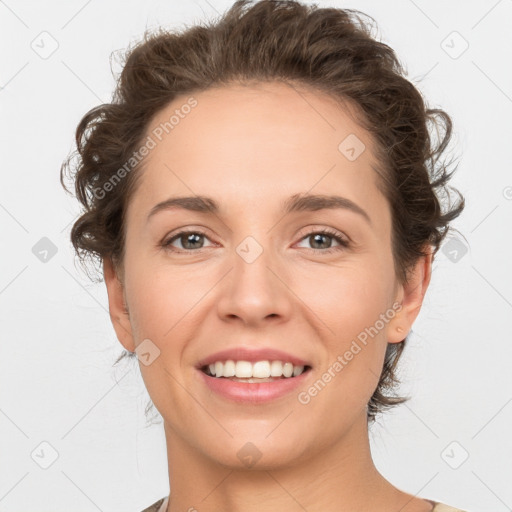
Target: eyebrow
295, 203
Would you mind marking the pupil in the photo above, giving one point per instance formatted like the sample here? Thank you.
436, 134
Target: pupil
190, 238
317, 236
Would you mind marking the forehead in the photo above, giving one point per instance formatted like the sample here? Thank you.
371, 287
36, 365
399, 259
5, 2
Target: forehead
247, 143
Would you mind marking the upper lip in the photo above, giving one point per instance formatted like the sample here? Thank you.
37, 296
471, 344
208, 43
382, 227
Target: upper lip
252, 355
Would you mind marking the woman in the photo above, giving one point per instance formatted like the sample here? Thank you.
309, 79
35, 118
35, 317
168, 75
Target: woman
263, 195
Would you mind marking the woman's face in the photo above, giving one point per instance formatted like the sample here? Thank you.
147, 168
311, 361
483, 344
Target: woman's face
258, 274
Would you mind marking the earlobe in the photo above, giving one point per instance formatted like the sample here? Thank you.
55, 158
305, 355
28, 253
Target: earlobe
411, 297
118, 309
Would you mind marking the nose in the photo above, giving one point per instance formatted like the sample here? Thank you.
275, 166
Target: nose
255, 291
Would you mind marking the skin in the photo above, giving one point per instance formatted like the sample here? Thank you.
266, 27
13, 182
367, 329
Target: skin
250, 148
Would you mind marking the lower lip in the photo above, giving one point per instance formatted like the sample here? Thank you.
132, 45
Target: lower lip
254, 392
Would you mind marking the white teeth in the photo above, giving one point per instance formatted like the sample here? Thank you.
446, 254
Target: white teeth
229, 369
297, 370
261, 370
257, 370
288, 369
243, 369
276, 369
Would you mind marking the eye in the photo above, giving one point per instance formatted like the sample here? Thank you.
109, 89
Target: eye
193, 240
322, 237
189, 240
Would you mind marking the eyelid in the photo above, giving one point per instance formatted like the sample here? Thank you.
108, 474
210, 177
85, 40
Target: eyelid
176, 234
344, 242
310, 230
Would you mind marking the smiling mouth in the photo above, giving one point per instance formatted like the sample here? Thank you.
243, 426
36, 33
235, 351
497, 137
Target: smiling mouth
206, 370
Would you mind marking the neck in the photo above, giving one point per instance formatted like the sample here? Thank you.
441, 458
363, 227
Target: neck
338, 478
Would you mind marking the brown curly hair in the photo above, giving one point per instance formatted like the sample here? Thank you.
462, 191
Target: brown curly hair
328, 50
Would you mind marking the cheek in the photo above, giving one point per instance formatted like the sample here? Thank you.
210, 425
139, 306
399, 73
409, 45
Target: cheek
162, 310
163, 301
352, 303
347, 299
150, 300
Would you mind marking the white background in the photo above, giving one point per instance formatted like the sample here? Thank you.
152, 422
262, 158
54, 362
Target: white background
57, 383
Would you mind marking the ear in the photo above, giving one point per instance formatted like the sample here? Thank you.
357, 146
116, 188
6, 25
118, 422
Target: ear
411, 295
117, 306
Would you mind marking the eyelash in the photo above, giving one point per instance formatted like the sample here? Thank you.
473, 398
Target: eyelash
344, 244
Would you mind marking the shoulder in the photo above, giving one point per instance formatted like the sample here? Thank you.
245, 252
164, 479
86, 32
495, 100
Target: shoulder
155, 507
438, 507
441, 507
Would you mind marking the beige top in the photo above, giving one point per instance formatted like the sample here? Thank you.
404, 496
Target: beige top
161, 505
